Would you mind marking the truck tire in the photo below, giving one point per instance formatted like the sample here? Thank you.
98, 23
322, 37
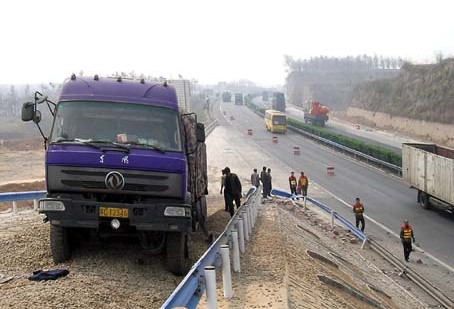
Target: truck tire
178, 251
424, 200
59, 243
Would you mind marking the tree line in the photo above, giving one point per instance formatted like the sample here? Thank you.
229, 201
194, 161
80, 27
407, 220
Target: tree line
325, 63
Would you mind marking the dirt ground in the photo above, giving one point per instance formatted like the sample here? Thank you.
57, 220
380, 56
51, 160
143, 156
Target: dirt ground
278, 272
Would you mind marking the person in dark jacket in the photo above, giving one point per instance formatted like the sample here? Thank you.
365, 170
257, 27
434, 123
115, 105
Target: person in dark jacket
232, 190
255, 179
262, 179
268, 183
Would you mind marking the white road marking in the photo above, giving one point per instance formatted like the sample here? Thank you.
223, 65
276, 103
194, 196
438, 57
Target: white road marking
448, 267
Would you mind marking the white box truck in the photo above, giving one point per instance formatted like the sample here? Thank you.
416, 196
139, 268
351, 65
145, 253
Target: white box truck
184, 91
430, 169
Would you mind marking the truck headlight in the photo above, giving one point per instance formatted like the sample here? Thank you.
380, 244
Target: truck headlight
51, 205
177, 211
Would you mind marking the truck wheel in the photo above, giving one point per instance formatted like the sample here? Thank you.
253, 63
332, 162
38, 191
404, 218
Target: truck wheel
59, 243
178, 252
424, 200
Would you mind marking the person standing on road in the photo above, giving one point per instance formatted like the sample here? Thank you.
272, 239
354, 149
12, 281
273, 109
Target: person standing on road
269, 179
292, 183
232, 190
262, 179
303, 184
222, 187
406, 235
358, 209
255, 179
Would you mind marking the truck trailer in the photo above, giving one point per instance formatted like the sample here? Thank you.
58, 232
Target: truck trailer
184, 91
122, 160
430, 170
278, 101
239, 100
226, 96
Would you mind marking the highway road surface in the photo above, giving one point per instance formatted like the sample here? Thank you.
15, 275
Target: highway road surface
366, 134
387, 199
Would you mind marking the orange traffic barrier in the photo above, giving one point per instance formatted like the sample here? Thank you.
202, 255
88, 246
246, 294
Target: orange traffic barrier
330, 170
274, 139
296, 150
249, 132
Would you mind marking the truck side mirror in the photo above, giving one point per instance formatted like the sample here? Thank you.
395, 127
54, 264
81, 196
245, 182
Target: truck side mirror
37, 117
28, 111
200, 132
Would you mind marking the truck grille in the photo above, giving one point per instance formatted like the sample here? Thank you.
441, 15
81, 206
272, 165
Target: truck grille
82, 179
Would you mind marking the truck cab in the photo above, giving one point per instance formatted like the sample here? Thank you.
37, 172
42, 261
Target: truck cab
118, 162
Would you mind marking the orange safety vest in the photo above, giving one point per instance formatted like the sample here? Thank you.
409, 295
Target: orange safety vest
303, 181
407, 231
292, 181
359, 209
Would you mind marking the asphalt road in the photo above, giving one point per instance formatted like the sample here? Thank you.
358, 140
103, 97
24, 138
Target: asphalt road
365, 134
388, 200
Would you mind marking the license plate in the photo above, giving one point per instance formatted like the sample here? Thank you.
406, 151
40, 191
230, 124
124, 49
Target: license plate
113, 212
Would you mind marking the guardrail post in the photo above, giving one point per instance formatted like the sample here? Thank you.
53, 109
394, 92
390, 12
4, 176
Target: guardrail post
245, 225
254, 212
14, 207
364, 243
305, 199
249, 215
226, 274
35, 204
240, 225
210, 280
236, 252
332, 218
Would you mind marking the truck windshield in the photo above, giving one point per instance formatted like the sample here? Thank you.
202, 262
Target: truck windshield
135, 125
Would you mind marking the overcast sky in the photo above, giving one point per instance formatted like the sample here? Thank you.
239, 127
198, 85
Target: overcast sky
210, 40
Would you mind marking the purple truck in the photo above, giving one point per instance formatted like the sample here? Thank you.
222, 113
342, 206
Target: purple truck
121, 159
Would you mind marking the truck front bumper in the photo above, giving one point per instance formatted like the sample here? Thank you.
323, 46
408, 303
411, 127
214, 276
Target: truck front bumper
160, 216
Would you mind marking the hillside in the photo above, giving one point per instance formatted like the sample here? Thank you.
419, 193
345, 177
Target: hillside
423, 92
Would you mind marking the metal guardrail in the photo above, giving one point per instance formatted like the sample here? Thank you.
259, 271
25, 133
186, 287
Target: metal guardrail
325, 208
423, 283
191, 288
22, 196
210, 127
353, 152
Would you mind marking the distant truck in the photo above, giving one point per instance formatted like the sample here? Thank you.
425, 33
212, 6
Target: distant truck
239, 100
183, 90
265, 96
315, 113
226, 96
430, 169
278, 101
122, 160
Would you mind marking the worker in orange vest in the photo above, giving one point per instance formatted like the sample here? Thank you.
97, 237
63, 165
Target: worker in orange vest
406, 235
358, 209
303, 184
292, 183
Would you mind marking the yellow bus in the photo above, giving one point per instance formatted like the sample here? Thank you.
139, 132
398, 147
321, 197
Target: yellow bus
275, 121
